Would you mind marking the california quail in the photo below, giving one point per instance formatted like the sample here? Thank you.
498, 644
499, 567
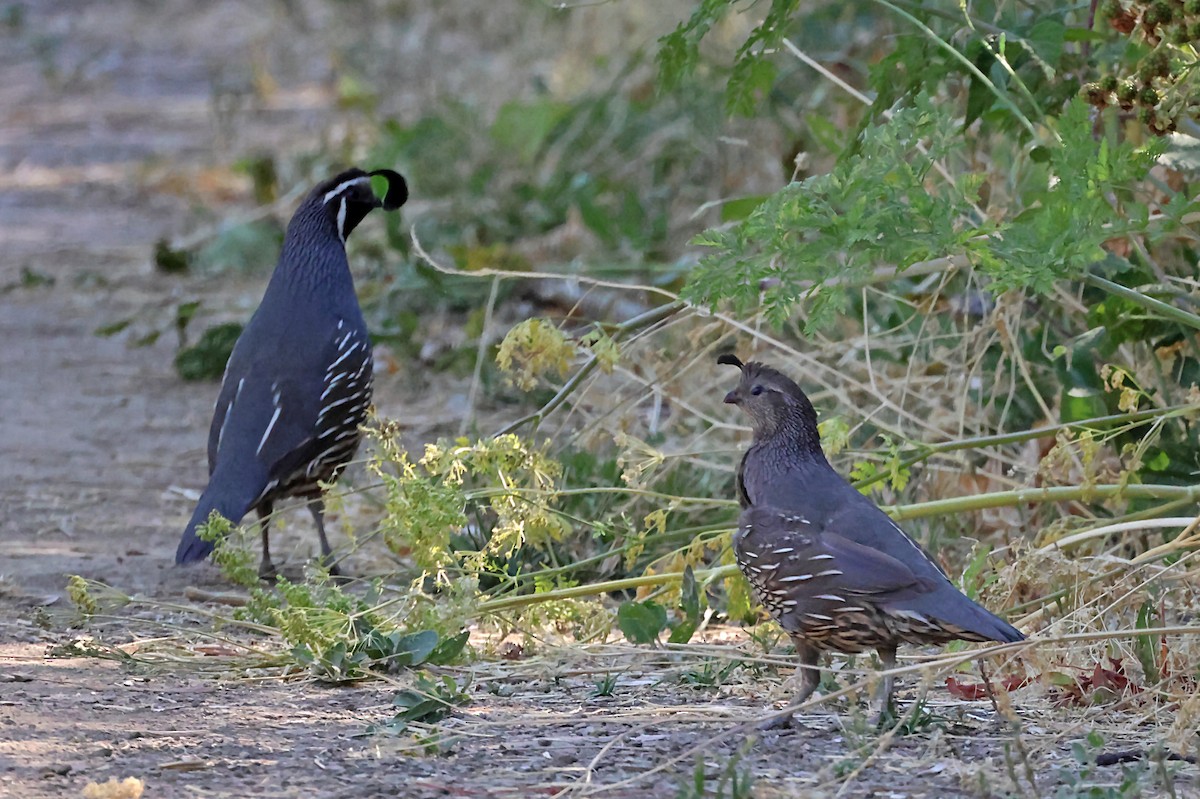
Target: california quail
832, 568
299, 380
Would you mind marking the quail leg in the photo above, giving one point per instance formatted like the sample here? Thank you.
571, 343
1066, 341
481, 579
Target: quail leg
266, 569
883, 694
807, 678
317, 508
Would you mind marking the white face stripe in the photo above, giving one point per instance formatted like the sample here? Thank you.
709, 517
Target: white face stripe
329, 195
341, 221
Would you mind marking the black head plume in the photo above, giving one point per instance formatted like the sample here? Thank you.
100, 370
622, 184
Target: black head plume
348, 197
729, 359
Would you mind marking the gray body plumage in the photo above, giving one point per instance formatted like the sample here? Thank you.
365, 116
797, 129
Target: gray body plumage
298, 383
834, 570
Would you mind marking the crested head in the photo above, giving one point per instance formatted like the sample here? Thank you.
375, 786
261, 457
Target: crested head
314, 251
775, 404
344, 200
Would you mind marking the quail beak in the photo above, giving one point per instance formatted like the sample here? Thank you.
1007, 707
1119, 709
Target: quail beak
733, 397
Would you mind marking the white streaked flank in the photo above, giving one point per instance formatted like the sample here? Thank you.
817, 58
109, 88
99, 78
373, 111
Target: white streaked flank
349, 351
270, 427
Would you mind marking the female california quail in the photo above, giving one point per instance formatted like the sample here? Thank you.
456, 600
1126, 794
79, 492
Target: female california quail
832, 568
298, 383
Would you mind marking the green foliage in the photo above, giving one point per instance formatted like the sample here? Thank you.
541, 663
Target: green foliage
713, 674
81, 597
531, 348
893, 472
731, 782
427, 502
1059, 232
206, 359
978, 574
428, 702
370, 649
29, 278
752, 75
236, 562
169, 260
875, 208
1147, 647
691, 606
883, 206
679, 51
605, 686
522, 173
525, 127
641, 622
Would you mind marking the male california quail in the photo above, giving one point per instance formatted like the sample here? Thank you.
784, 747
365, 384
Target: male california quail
832, 568
298, 382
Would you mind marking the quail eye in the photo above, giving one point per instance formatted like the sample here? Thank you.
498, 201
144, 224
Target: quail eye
756, 390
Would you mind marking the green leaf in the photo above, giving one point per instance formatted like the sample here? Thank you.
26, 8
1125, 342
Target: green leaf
875, 208
380, 186
206, 359
1047, 36
679, 51
689, 596
169, 260
302, 654
428, 702
682, 633
641, 622
1146, 646
737, 591
184, 313
449, 650
113, 328
1081, 402
739, 208
413, 649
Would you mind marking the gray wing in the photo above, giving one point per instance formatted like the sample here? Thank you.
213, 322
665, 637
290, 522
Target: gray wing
790, 558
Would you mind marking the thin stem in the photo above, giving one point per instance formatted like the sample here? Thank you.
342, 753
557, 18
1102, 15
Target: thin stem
1024, 496
926, 451
1149, 303
480, 354
509, 603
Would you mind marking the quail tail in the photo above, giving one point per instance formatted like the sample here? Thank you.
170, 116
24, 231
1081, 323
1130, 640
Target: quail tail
979, 624
231, 498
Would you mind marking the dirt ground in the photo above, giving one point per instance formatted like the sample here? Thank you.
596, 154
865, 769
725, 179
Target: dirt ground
108, 129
